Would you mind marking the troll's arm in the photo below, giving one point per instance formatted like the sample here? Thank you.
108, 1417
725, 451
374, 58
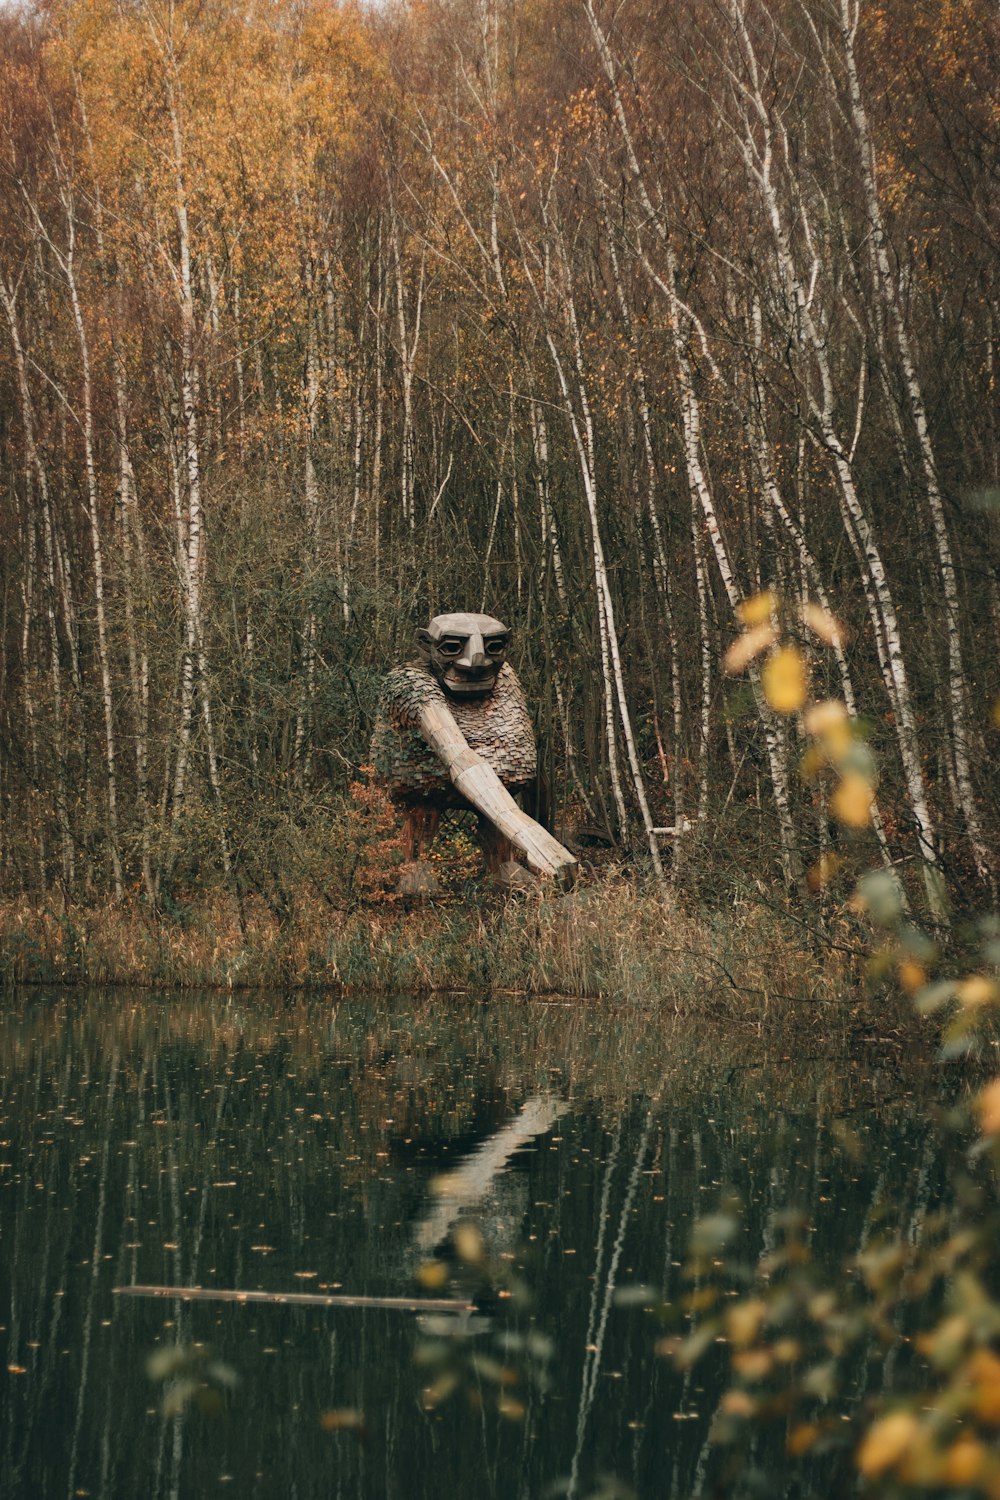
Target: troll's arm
479, 784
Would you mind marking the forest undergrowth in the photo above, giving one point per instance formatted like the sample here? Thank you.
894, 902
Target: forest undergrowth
617, 938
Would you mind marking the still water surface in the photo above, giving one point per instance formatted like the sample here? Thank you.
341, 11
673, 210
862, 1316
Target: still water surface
294, 1146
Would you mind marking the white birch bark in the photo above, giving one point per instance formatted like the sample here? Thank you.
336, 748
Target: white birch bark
66, 259
581, 425
850, 11
758, 134
35, 466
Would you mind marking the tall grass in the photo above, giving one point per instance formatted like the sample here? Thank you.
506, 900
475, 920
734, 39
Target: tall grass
617, 939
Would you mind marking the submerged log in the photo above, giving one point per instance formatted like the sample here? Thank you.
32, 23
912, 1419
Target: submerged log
297, 1299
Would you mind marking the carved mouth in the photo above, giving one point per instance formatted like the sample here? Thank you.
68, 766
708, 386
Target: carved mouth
468, 685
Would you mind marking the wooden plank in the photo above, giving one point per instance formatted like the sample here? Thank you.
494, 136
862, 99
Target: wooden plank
297, 1299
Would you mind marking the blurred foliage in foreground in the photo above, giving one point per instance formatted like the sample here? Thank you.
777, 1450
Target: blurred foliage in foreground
929, 1304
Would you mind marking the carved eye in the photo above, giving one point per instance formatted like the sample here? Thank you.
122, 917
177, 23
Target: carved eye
450, 647
497, 646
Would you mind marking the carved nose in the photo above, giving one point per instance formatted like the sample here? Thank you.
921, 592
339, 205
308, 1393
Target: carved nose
473, 656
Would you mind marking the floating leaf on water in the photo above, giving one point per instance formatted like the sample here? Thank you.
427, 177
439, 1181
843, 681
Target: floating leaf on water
636, 1296
342, 1419
785, 680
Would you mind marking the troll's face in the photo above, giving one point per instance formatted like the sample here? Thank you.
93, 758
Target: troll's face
464, 652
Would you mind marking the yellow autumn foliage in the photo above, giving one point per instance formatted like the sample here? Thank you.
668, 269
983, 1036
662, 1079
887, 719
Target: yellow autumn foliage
851, 802
822, 624
748, 646
757, 609
886, 1443
785, 679
988, 1108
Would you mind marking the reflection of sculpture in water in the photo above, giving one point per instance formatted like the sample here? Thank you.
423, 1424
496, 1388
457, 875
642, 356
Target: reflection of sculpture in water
453, 731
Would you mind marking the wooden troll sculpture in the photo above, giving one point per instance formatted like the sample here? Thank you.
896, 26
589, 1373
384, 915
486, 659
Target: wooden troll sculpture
453, 731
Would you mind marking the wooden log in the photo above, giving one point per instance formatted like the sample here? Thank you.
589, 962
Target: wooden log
297, 1299
480, 785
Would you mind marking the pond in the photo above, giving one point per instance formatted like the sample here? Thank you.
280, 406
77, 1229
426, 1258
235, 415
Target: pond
331, 1149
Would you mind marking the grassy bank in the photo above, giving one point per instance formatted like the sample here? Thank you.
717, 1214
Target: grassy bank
617, 939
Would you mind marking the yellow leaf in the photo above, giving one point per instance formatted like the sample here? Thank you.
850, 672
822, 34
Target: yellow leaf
743, 1321
738, 1404
785, 680
814, 760
912, 976
964, 1463
829, 721
753, 1364
978, 990
823, 871
342, 1419
996, 713
851, 802
432, 1274
822, 624
988, 1108
886, 1443
747, 646
801, 1438
756, 610
468, 1243
983, 1372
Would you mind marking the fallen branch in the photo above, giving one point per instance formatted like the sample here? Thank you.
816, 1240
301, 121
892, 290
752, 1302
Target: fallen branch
297, 1299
